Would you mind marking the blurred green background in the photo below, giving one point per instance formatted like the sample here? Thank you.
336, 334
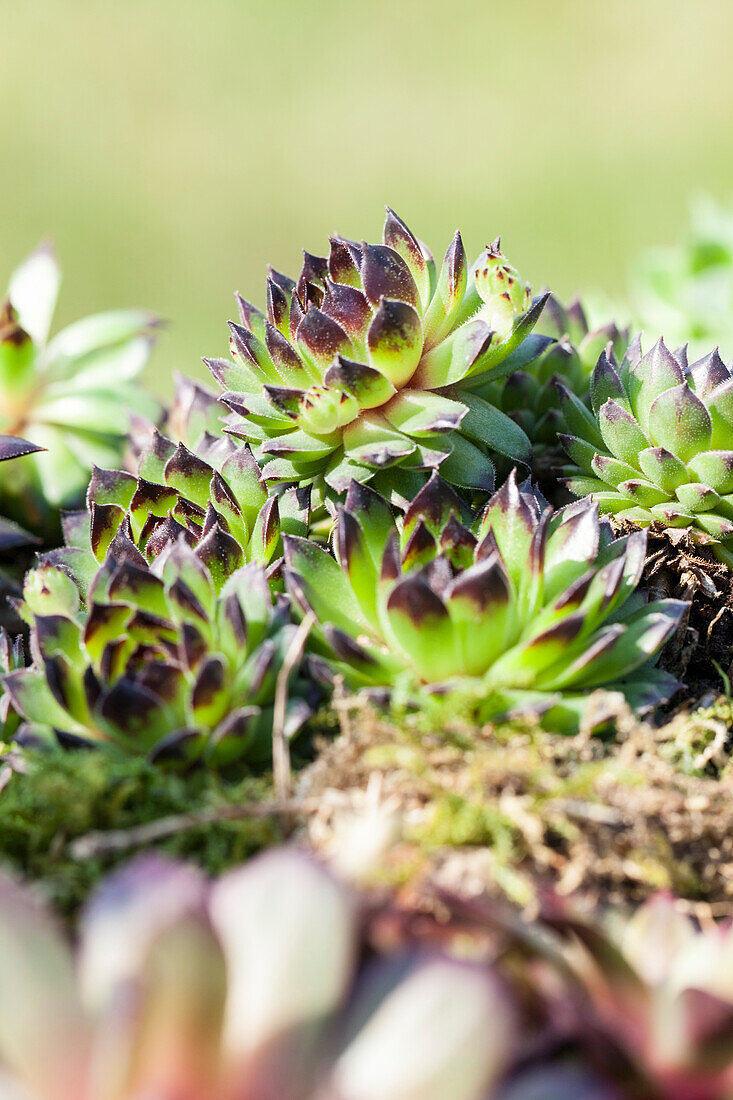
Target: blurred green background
171, 149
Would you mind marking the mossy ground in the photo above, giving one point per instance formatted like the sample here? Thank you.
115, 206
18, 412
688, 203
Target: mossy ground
64, 796
510, 810
514, 811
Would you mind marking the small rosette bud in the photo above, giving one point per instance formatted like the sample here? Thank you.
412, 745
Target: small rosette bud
501, 289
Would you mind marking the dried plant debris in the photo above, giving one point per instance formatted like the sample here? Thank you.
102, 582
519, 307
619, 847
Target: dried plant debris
513, 811
678, 566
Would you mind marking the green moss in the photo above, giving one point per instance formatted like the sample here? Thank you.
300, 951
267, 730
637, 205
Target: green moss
458, 821
699, 743
64, 796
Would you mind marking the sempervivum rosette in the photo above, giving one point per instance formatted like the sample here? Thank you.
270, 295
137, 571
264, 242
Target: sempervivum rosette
658, 443
258, 985
531, 610
178, 659
73, 394
214, 498
371, 365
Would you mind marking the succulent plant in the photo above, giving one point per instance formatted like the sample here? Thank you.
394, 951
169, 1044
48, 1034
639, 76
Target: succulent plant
72, 395
251, 987
571, 321
533, 609
685, 292
214, 498
371, 366
529, 396
177, 658
663, 988
657, 446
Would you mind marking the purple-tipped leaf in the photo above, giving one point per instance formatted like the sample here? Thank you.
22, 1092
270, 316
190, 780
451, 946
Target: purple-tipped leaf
384, 274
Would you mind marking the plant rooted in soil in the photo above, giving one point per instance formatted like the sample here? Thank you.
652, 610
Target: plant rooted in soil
529, 611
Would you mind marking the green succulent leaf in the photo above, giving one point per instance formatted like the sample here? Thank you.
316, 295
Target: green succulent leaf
368, 386
400, 239
679, 421
486, 424
663, 468
421, 626
319, 584
605, 385
419, 413
713, 468
621, 434
655, 373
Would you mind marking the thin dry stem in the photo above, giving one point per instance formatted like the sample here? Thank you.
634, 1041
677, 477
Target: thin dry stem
121, 840
281, 772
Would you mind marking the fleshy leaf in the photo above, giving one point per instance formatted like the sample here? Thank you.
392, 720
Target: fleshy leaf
679, 421
298, 973
394, 340
421, 413
656, 372
399, 238
449, 292
384, 274
320, 339
370, 387
316, 582
663, 468
621, 433
422, 628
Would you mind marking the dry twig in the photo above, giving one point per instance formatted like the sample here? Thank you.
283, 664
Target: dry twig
280, 745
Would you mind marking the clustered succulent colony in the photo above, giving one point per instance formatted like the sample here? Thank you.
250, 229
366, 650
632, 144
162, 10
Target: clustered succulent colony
373, 367
179, 659
355, 508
